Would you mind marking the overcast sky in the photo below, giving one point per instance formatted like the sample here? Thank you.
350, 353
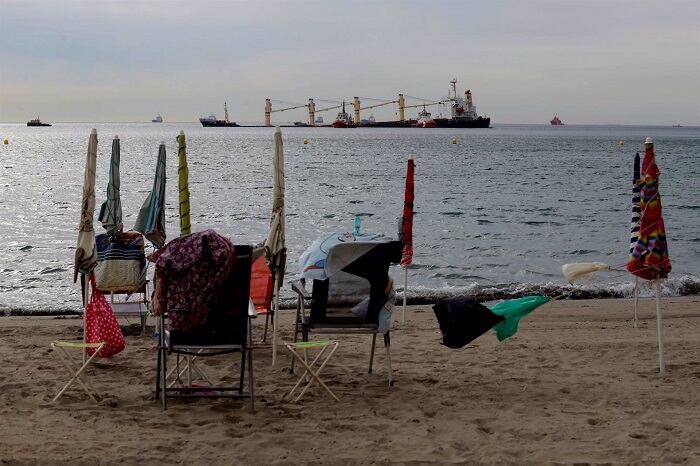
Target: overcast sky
627, 62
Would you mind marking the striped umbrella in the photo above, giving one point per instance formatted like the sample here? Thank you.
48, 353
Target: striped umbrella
151, 218
111, 210
183, 175
275, 248
407, 230
85, 253
649, 255
634, 228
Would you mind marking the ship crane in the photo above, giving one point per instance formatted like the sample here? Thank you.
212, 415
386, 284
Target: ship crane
269, 111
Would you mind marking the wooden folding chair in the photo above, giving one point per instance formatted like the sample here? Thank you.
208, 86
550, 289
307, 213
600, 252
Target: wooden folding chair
313, 376
61, 348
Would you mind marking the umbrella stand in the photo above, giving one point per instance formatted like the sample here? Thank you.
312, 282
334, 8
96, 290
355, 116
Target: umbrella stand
659, 326
636, 299
405, 290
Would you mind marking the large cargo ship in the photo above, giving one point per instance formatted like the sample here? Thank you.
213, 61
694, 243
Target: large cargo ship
463, 111
211, 120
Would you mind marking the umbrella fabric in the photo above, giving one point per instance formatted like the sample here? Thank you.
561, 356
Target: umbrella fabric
151, 218
111, 210
636, 208
512, 310
183, 175
576, 270
649, 257
274, 244
85, 253
407, 219
312, 262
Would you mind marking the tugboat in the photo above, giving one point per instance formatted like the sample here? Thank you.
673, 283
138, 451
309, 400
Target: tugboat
424, 120
37, 122
556, 121
157, 119
343, 120
212, 121
463, 112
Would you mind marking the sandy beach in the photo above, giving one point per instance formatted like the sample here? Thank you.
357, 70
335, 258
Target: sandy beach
577, 385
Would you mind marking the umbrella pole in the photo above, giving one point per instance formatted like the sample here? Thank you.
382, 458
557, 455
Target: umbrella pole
636, 299
84, 282
275, 319
659, 326
405, 290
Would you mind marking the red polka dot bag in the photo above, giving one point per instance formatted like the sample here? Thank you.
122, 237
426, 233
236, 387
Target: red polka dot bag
101, 325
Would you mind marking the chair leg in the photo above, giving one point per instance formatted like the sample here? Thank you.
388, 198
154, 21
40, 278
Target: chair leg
163, 380
297, 324
240, 381
371, 353
251, 377
387, 346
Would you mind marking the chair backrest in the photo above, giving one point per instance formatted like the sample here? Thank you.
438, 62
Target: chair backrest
227, 322
357, 271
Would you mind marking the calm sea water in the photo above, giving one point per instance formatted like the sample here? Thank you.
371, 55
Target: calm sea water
497, 213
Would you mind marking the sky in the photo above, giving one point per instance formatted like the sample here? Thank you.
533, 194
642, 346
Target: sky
592, 62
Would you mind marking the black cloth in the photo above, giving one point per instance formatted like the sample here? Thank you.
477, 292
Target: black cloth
462, 320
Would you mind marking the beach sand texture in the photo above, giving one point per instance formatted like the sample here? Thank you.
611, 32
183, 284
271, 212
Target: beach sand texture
576, 385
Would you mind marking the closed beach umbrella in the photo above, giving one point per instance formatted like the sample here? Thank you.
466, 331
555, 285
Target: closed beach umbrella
634, 228
151, 218
111, 210
648, 258
183, 175
85, 253
649, 255
407, 230
274, 244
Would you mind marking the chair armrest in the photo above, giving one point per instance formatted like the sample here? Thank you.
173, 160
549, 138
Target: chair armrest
300, 289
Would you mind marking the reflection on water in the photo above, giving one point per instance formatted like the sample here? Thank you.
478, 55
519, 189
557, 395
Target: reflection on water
504, 208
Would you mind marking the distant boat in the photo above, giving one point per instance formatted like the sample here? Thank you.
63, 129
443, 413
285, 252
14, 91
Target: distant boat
556, 121
343, 120
319, 120
157, 119
677, 126
211, 120
37, 122
425, 120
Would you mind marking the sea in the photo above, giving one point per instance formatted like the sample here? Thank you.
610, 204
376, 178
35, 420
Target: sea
498, 211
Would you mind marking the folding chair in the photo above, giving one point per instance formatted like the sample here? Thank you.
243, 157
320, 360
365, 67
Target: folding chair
60, 348
358, 277
226, 331
130, 303
261, 291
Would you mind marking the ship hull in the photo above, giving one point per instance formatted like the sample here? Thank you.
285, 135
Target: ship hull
456, 123
219, 124
38, 124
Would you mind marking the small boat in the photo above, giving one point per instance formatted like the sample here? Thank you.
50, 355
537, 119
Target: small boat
556, 121
300, 123
319, 120
157, 119
343, 120
37, 122
424, 120
211, 120
677, 126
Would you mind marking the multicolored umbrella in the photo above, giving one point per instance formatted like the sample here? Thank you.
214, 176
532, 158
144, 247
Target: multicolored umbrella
86, 252
183, 175
649, 256
151, 218
111, 210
